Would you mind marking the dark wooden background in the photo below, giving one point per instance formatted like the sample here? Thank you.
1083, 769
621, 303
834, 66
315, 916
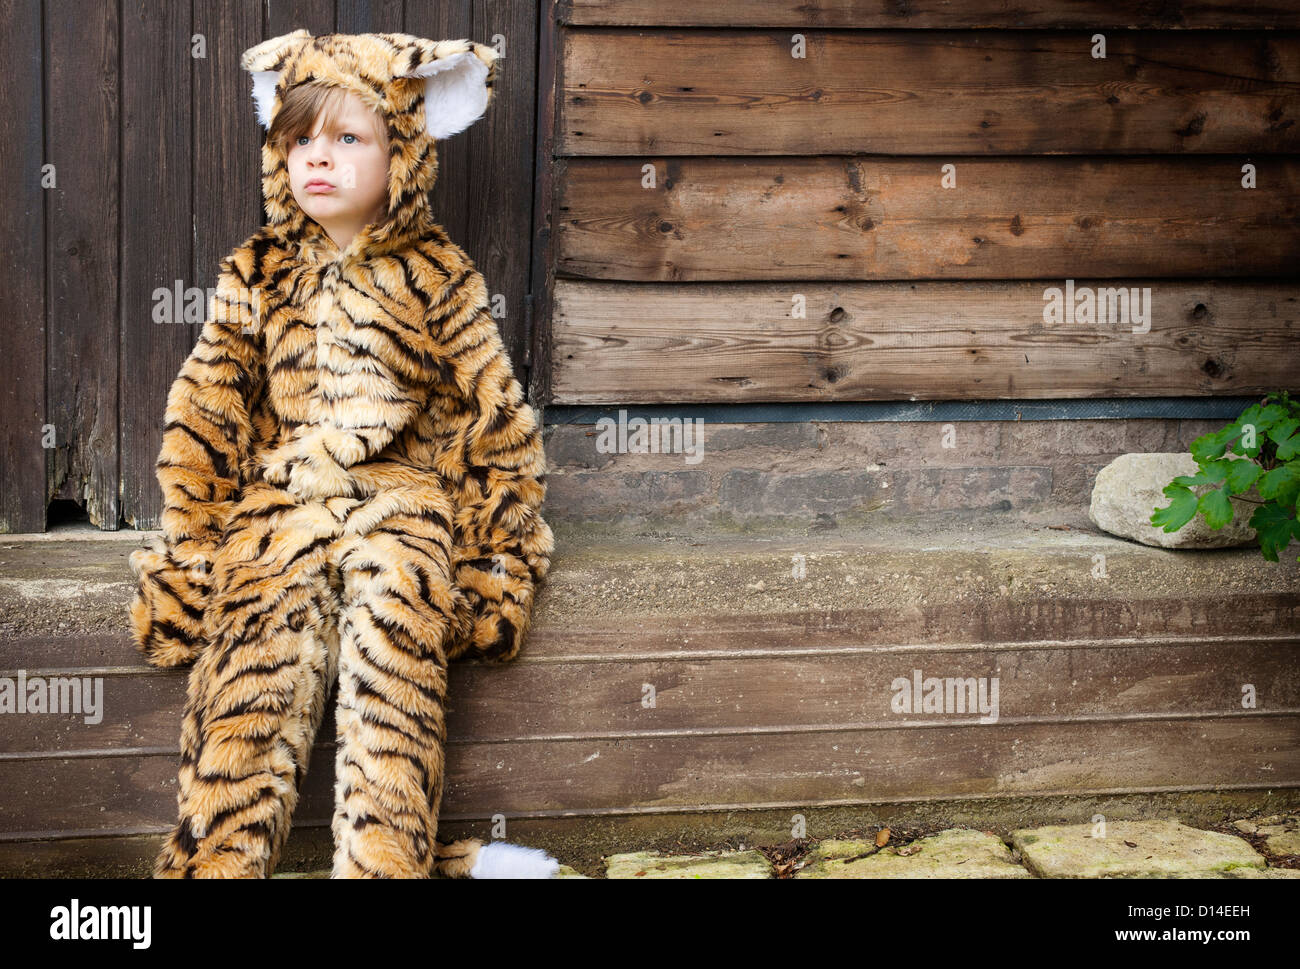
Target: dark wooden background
776, 177
819, 177
157, 155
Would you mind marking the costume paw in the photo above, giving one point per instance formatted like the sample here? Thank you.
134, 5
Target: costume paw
275, 468
319, 476
166, 611
501, 859
307, 469
499, 588
278, 463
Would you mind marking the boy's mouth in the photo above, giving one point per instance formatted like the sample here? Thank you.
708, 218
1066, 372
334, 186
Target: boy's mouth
318, 185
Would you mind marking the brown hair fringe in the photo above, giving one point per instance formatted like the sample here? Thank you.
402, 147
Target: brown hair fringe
299, 108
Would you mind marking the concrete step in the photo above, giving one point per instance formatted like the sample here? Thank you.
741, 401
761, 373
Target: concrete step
680, 685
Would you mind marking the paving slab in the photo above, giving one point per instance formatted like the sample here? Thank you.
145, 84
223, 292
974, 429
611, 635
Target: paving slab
1281, 832
1132, 849
1239, 873
721, 864
955, 853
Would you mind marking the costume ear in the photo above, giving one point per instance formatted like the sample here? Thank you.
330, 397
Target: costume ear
458, 81
265, 62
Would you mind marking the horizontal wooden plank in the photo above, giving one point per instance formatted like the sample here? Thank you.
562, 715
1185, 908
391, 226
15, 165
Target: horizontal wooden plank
919, 93
710, 219
816, 14
623, 343
754, 690
131, 854
742, 768
681, 772
1119, 617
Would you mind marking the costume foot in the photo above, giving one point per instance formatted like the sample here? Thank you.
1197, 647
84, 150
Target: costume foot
500, 859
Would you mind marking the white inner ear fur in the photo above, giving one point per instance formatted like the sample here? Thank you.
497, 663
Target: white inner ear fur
455, 95
264, 94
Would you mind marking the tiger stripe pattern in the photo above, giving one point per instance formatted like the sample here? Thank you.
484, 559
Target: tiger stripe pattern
352, 483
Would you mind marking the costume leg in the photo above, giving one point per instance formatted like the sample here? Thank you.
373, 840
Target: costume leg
398, 615
257, 692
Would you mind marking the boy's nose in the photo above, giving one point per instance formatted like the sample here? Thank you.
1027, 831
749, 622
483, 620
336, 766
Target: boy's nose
319, 153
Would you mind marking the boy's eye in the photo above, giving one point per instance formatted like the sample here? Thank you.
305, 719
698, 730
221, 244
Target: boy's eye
303, 139
353, 137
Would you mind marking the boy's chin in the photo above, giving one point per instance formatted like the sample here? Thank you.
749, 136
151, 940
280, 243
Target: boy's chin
315, 209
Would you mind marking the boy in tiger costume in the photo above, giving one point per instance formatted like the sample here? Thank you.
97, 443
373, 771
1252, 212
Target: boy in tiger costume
351, 478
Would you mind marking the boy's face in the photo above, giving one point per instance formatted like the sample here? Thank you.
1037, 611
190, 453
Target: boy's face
340, 177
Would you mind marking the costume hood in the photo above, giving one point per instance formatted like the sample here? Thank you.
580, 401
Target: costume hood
424, 90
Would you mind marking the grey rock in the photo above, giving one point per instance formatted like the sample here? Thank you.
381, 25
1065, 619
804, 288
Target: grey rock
1130, 488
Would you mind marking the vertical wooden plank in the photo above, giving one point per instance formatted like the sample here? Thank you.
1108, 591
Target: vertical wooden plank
370, 17
449, 199
82, 48
157, 254
22, 245
286, 16
547, 169
483, 195
227, 137
500, 188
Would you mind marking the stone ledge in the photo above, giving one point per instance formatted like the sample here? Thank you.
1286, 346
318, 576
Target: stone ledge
72, 586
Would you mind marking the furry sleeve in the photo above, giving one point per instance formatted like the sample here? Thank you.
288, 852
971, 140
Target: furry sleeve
499, 471
207, 434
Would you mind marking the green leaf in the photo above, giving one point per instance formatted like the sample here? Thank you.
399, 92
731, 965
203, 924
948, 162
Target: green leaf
1274, 528
1217, 508
1180, 512
1270, 415
1274, 426
1288, 449
1249, 416
1250, 452
1284, 429
1282, 483
1262, 418
1241, 475
1207, 447
1211, 473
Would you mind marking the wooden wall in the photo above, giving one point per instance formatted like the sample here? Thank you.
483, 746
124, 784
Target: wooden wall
796, 243
735, 223
155, 156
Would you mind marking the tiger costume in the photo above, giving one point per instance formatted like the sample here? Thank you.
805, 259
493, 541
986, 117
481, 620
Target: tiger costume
351, 487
